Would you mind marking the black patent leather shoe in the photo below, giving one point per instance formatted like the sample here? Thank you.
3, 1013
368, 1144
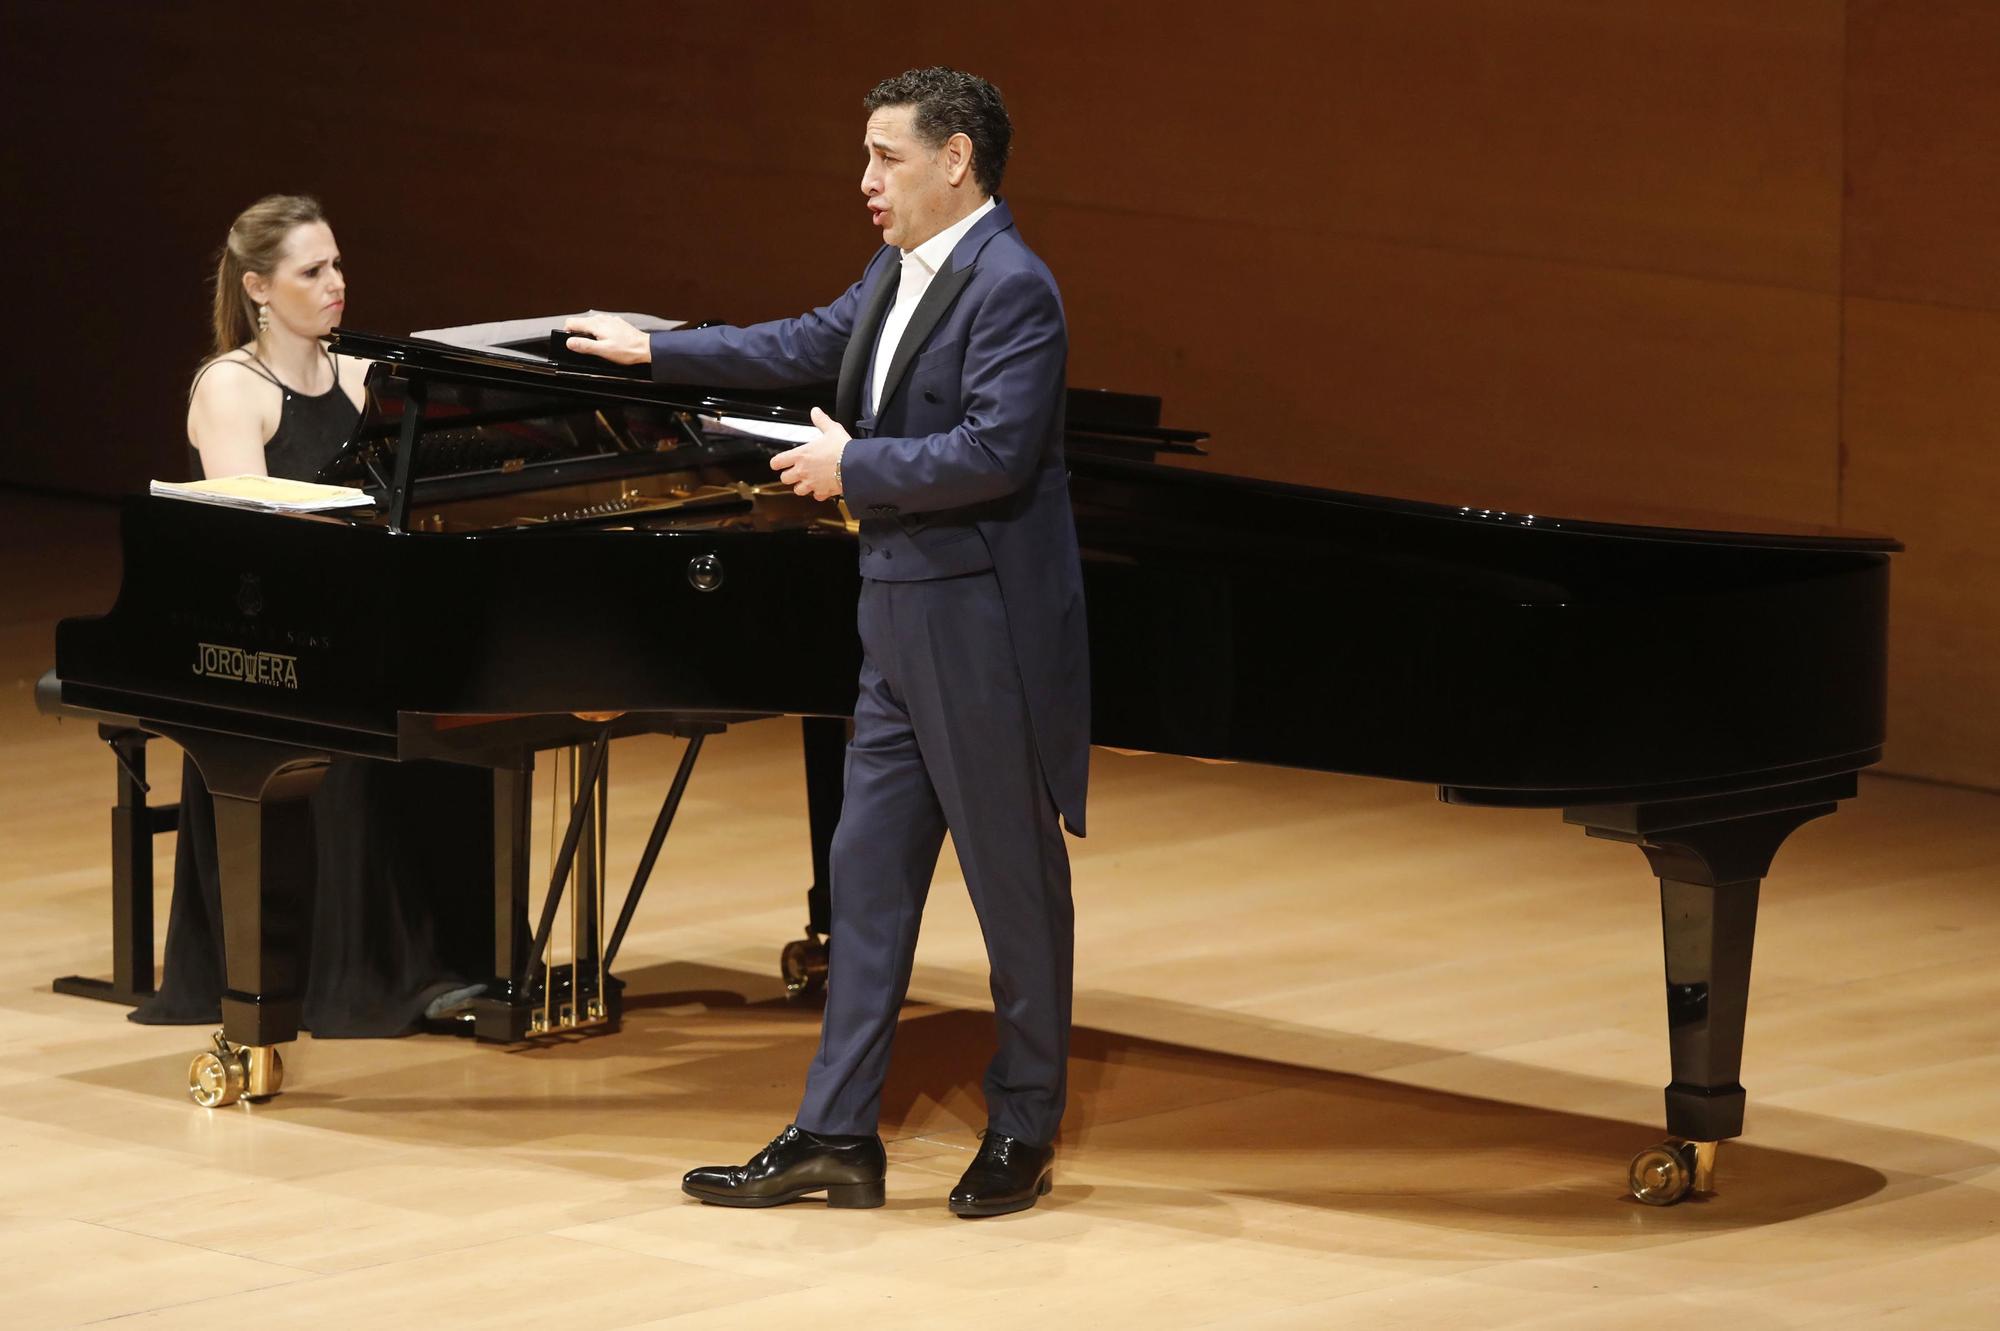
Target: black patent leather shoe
1007, 1175
797, 1164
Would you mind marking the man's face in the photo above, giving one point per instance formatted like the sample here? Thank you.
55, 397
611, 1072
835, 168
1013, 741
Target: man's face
913, 191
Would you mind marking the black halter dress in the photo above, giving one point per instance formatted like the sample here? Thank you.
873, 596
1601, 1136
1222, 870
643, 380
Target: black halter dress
402, 911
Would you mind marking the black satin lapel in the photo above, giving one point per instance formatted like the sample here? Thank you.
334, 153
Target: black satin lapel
861, 346
943, 290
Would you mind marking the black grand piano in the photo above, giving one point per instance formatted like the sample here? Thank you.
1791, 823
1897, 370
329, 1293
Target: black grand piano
560, 555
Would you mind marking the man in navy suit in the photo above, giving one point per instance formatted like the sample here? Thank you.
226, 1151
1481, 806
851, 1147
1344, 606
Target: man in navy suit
946, 440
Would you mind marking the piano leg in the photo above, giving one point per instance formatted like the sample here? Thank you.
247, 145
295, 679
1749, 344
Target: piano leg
264, 848
1708, 929
803, 960
134, 824
1711, 856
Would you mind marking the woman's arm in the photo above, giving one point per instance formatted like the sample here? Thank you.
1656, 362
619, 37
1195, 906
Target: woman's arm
232, 411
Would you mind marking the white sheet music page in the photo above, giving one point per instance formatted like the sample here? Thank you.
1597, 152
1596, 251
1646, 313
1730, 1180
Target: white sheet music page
777, 432
268, 494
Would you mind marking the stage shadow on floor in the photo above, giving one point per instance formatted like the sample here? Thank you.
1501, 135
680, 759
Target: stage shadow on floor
711, 1059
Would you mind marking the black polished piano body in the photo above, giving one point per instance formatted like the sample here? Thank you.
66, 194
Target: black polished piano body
559, 554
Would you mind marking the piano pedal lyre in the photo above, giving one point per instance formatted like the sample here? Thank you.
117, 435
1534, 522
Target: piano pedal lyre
571, 995
553, 996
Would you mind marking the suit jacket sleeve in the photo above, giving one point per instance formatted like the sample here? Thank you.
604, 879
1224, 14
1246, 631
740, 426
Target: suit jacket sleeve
784, 353
1015, 355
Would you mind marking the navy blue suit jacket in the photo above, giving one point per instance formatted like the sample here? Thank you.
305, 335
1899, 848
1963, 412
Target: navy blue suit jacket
960, 466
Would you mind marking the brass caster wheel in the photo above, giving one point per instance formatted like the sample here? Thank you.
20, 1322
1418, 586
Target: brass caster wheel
217, 1077
1668, 1173
228, 1073
803, 964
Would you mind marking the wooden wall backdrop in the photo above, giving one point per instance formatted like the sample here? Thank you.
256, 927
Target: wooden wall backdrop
1920, 395
1737, 255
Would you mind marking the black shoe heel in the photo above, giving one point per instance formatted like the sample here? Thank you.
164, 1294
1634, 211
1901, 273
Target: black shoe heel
856, 1196
1042, 1188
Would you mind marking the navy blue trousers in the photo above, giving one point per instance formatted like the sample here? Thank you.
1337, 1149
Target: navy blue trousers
942, 740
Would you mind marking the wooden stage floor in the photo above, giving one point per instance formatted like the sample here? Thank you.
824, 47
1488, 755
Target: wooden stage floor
1344, 1056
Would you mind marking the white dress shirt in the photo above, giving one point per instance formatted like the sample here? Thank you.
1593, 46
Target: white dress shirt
920, 265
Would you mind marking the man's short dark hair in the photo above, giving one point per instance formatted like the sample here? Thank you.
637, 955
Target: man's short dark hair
948, 102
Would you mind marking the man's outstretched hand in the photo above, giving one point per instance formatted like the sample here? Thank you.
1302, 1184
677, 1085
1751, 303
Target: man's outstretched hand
813, 468
611, 337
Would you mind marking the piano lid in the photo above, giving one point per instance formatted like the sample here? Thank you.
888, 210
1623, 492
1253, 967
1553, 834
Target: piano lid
509, 408
493, 414
1206, 489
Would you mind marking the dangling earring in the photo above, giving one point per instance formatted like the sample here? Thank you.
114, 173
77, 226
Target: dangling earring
263, 319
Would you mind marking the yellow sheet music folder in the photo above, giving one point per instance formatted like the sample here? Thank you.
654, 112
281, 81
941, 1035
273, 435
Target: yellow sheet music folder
270, 494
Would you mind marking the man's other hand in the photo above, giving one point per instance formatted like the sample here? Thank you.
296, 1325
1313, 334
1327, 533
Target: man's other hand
813, 468
611, 337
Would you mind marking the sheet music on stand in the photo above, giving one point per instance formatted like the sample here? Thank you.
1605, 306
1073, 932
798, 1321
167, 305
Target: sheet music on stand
516, 337
264, 494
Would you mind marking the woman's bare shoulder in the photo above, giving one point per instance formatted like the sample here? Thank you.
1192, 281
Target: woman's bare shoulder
232, 400
229, 378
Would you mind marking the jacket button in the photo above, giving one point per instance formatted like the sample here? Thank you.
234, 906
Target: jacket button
867, 549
